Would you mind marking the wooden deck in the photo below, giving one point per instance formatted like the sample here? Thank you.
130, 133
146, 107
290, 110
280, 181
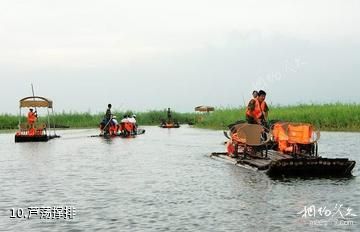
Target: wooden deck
277, 164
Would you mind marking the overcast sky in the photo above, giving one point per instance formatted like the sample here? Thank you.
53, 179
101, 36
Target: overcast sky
142, 55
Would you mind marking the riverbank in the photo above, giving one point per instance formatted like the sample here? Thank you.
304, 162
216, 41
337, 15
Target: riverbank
330, 117
87, 120
327, 117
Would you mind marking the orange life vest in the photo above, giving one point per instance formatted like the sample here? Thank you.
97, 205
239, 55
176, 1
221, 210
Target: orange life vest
128, 126
31, 117
281, 137
292, 134
259, 109
300, 133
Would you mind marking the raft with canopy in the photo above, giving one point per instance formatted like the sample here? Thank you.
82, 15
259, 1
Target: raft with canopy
37, 131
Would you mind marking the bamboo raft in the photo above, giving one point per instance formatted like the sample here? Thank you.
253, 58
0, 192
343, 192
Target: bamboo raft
121, 135
169, 125
37, 131
258, 148
35, 138
278, 164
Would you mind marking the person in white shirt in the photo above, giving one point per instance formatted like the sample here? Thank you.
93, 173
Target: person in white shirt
125, 119
132, 119
114, 121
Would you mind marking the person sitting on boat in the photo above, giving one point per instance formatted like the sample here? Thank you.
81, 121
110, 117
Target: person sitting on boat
114, 120
132, 120
114, 125
257, 110
32, 117
126, 126
125, 118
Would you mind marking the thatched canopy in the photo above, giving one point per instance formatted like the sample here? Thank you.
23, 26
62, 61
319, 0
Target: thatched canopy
204, 108
36, 101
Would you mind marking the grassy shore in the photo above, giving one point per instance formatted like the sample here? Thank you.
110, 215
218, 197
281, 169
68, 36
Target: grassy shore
333, 117
87, 120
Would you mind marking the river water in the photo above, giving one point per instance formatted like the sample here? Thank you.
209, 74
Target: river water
165, 180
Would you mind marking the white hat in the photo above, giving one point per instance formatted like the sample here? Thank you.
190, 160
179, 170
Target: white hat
134, 115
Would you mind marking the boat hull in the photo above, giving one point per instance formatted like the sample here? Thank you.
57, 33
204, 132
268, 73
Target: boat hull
37, 138
121, 135
169, 125
283, 165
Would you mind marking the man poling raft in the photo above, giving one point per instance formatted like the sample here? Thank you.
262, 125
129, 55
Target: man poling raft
31, 119
169, 122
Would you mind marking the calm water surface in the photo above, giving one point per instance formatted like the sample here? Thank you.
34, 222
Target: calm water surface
164, 180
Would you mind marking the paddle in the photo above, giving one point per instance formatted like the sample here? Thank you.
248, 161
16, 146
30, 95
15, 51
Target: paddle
32, 89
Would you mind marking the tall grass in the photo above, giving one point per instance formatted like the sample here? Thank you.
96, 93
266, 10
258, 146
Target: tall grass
8, 121
338, 116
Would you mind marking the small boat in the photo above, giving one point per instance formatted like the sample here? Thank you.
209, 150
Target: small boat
170, 125
37, 131
121, 134
288, 149
169, 122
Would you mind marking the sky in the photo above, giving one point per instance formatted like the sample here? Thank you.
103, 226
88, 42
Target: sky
145, 55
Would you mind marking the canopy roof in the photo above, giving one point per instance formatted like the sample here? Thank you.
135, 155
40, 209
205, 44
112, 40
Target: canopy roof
204, 108
36, 101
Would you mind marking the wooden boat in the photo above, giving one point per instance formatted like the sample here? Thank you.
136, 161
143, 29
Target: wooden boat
169, 122
38, 131
170, 125
252, 146
121, 134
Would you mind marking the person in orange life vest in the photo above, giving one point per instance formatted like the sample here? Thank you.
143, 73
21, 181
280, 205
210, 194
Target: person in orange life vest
255, 94
257, 110
32, 117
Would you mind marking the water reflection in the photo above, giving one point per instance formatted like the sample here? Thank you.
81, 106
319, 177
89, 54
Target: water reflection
162, 180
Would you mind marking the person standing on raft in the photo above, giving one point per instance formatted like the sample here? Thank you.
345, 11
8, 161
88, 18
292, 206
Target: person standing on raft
257, 109
108, 113
107, 117
255, 94
32, 117
169, 115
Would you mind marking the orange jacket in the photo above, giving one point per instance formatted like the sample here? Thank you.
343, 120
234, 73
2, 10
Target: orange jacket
258, 111
31, 117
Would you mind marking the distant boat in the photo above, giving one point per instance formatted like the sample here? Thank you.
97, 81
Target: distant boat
170, 125
169, 122
37, 131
